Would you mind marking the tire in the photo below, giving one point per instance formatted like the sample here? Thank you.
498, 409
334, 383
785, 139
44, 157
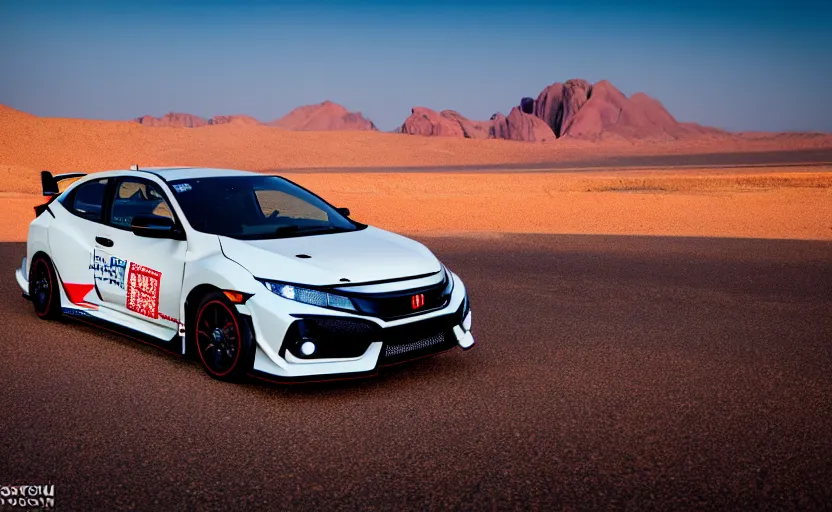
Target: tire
43, 288
223, 338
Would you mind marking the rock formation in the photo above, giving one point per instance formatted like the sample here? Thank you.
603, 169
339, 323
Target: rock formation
323, 116
574, 109
470, 129
427, 122
173, 119
520, 126
237, 119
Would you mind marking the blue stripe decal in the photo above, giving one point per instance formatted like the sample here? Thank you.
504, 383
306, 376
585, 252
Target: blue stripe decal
76, 312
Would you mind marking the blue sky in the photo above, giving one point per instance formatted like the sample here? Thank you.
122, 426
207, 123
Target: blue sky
735, 64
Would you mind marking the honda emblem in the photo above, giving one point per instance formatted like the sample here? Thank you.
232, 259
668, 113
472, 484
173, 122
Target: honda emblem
417, 301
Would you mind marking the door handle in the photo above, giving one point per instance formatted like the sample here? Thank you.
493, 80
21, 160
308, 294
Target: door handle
106, 242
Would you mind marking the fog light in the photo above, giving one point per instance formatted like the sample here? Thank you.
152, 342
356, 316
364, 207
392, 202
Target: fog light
308, 348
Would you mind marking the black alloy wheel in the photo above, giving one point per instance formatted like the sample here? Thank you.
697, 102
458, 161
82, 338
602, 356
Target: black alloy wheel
43, 288
223, 338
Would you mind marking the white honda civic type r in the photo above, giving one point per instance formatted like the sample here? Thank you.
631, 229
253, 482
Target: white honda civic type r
251, 272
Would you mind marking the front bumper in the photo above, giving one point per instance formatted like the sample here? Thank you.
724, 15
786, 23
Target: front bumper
349, 345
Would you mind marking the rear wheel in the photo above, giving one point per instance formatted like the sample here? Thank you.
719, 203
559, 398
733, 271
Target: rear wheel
43, 288
223, 338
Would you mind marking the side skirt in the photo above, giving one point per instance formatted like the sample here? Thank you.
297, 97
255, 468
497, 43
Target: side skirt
86, 318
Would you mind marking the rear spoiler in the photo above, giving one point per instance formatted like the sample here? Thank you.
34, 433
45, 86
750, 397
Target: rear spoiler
49, 183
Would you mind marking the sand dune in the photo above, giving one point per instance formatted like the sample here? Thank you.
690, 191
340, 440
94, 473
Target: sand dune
64, 145
796, 205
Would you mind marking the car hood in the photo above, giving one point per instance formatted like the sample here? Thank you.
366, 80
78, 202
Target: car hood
366, 255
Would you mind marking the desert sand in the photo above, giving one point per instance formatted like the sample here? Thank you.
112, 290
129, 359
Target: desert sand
65, 145
759, 203
793, 205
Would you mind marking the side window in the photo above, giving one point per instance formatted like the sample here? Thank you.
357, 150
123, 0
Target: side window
134, 197
87, 199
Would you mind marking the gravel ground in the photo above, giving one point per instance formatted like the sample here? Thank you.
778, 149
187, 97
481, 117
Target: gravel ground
610, 373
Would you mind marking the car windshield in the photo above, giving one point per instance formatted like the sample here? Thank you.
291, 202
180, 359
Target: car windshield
256, 208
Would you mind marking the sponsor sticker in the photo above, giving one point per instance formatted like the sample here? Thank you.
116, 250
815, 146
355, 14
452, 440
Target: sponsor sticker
143, 290
109, 269
182, 187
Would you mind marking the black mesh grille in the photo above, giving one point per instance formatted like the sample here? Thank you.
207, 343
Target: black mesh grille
395, 350
334, 326
417, 339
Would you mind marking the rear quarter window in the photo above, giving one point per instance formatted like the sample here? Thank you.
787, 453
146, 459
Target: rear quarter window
87, 200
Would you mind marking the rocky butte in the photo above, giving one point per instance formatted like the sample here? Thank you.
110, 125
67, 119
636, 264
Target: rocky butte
323, 116
574, 109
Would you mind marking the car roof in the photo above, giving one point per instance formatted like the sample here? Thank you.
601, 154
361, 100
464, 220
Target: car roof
179, 173
174, 173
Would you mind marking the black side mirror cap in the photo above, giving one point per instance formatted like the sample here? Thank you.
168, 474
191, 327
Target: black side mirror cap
153, 226
343, 211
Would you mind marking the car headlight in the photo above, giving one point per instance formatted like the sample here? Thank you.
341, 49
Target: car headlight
308, 296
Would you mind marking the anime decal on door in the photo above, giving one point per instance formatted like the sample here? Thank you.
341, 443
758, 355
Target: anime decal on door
138, 284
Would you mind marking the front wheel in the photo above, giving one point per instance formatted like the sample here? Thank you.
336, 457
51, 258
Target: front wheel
224, 340
43, 288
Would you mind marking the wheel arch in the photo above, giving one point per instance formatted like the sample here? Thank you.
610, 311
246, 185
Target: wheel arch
41, 252
214, 273
203, 296
36, 255
37, 252
189, 310
54, 306
37, 239
194, 296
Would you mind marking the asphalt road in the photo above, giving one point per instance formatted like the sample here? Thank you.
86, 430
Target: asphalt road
610, 373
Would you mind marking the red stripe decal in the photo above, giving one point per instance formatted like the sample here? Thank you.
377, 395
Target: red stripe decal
76, 293
168, 318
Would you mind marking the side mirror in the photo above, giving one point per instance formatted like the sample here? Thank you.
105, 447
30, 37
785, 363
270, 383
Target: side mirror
153, 226
343, 211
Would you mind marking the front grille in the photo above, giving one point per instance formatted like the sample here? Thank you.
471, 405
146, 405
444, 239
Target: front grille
399, 304
395, 350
